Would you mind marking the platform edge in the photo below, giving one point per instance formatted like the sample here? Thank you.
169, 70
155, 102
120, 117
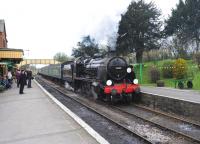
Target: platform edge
171, 97
89, 129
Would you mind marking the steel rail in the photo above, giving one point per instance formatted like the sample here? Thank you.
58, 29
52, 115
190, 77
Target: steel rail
99, 113
159, 125
168, 115
131, 114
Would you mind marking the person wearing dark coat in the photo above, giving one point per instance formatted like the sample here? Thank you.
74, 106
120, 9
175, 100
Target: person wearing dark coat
29, 77
22, 81
131, 74
18, 73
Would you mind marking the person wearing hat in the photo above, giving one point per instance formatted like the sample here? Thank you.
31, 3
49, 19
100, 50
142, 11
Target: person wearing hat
130, 74
29, 77
22, 81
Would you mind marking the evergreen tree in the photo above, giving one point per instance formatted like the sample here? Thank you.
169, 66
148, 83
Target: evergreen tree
87, 47
184, 22
139, 29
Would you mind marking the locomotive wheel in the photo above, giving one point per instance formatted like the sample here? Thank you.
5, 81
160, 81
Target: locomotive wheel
101, 94
190, 84
112, 100
94, 94
88, 89
136, 97
85, 88
128, 98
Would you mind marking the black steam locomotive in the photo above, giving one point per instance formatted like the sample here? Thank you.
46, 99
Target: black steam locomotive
110, 79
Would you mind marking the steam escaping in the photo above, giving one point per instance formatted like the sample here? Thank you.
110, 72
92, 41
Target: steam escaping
106, 33
105, 28
68, 87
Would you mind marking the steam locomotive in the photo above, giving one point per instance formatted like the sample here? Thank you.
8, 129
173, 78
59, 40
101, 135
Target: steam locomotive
110, 79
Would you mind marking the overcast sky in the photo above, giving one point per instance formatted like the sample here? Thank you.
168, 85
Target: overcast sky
45, 27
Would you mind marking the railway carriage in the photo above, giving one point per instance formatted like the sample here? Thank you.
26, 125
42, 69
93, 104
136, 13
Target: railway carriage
53, 71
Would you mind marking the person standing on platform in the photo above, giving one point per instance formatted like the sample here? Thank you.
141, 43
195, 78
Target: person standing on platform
22, 81
9, 77
18, 76
29, 77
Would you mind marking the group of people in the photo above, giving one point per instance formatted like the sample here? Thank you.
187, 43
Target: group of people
6, 80
21, 77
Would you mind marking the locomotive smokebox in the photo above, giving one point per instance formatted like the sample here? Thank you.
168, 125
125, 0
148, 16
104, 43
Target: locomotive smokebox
116, 68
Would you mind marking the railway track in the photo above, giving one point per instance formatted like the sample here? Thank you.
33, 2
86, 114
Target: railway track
157, 112
153, 133
177, 125
142, 140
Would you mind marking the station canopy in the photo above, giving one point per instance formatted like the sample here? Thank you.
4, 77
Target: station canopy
8, 55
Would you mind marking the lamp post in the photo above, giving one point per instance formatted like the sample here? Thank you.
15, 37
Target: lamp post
27, 52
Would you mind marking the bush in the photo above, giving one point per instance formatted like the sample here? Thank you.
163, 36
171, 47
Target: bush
197, 59
154, 74
180, 69
167, 70
160, 83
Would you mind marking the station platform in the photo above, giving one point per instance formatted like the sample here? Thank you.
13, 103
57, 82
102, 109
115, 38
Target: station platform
184, 103
33, 118
185, 95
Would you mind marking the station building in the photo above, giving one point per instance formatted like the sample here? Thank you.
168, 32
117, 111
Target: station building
9, 57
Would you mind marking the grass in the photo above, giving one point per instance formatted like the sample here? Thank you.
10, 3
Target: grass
196, 81
192, 70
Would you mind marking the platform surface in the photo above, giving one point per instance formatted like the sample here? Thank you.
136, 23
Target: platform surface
33, 118
185, 95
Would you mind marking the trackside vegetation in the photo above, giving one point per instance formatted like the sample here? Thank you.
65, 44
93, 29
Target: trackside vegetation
166, 71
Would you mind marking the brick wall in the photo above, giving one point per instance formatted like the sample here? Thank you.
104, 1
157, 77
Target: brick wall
3, 42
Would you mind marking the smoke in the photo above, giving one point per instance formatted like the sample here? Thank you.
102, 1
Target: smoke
101, 21
106, 32
110, 29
